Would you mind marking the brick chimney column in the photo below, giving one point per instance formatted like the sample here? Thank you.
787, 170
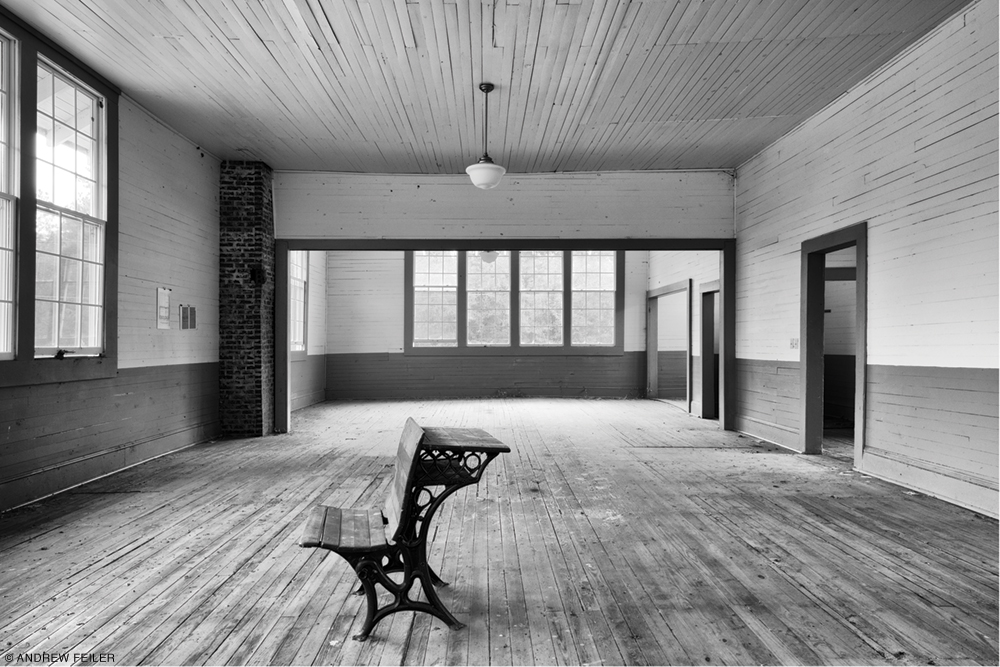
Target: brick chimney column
246, 299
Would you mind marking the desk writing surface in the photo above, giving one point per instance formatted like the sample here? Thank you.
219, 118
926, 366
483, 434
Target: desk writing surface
467, 439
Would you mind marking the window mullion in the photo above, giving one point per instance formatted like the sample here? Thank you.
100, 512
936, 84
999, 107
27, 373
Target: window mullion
567, 295
462, 303
515, 299
27, 93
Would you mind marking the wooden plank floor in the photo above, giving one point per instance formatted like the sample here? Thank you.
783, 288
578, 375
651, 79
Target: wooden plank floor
615, 532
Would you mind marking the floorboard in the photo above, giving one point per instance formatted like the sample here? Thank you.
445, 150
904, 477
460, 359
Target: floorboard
614, 532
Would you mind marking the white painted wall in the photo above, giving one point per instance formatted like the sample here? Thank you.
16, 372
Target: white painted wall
913, 151
311, 205
668, 267
636, 279
169, 237
316, 319
364, 301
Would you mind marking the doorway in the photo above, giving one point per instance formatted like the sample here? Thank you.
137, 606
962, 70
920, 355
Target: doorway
815, 408
668, 344
708, 395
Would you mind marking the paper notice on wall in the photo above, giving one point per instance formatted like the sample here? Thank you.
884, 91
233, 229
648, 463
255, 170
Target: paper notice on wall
162, 308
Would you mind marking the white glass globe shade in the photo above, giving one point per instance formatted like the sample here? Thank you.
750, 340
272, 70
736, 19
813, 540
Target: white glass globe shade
485, 175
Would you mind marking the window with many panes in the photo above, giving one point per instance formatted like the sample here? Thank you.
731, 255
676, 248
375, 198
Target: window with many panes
69, 221
58, 213
525, 301
435, 298
7, 202
298, 279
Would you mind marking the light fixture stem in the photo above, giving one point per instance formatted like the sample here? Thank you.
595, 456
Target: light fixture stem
486, 88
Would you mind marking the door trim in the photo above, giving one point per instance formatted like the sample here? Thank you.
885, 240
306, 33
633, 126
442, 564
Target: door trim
813, 284
652, 334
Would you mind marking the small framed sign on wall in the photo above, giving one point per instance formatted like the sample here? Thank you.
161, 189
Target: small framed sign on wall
162, 307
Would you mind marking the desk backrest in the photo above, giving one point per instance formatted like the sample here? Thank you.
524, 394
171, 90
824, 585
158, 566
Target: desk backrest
399, 498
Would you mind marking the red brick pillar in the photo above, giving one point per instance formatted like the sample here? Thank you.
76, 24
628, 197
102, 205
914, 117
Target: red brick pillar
246, 299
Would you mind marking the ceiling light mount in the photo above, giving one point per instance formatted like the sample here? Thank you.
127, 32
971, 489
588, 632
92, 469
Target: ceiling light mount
485, 174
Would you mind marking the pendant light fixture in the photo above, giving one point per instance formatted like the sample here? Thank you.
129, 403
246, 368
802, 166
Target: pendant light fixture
485, 174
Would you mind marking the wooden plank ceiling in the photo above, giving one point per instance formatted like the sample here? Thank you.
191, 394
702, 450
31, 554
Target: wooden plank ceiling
390, 86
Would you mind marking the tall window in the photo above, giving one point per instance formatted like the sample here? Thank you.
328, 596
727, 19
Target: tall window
7, 201
488, 303
58, 213
541, 282
435, 298
69, 221
593, 300
528, 300
298, 277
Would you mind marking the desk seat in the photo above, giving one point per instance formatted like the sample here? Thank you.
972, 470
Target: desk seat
344, 530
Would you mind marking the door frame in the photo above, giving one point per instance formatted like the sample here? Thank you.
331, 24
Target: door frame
812, 303
710, 399
652, 333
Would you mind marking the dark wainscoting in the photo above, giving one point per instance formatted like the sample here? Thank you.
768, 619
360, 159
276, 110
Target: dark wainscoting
308, 376
55, 436
768, 403
671, 374
375, 376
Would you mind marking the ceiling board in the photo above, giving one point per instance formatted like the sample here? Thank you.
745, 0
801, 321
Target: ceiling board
388, 86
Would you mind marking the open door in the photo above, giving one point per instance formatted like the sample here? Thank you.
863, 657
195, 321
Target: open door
812, 318
709, 358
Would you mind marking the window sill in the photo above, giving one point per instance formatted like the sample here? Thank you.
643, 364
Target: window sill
615, 351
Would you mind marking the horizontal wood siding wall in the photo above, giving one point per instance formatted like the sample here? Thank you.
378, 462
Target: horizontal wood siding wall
375, 376
165, 397
317, 205
55, 436
912, 151
935, 429
671, 374
768, 400
364, 301
316, 302
169, 237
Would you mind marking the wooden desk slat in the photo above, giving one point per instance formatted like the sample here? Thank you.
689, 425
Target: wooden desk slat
464, 439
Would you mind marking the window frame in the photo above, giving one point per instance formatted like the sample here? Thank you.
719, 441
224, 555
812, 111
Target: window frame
515, 348
302, 353
25, 368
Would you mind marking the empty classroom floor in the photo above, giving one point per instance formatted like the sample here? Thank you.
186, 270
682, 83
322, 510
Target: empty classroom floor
615, 532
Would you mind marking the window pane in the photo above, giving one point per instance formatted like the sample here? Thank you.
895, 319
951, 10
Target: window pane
488, 288
46, 272
298, 274
69, 326
70, 275
90, 327
65, 101
541, 301
435, 298
45, 324
593, 298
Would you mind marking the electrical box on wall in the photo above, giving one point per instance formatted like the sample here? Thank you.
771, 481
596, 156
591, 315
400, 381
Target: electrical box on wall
188, 317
